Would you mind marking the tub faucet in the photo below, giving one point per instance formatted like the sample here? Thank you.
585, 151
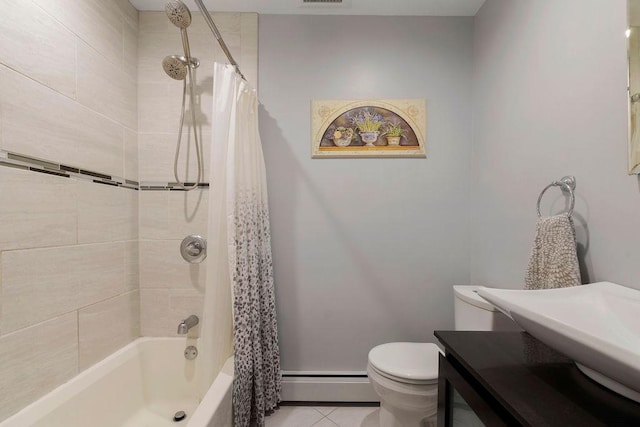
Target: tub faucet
187, 324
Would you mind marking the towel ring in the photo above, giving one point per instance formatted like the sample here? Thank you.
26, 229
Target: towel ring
567, 184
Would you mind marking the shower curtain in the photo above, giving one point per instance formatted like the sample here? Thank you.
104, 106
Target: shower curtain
240, 262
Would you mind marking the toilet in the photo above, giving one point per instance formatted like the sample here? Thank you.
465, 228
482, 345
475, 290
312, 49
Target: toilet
405, 374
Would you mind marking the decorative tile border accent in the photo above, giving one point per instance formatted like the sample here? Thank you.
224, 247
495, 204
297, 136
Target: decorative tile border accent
18, 161
168, 186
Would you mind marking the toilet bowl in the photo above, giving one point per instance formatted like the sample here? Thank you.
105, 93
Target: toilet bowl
405, 375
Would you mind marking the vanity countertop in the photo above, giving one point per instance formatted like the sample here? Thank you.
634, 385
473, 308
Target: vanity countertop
534, 383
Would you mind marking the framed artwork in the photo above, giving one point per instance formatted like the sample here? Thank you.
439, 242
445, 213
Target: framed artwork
368, 128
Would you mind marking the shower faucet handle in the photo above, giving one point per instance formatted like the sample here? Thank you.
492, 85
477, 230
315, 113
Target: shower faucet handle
193, 249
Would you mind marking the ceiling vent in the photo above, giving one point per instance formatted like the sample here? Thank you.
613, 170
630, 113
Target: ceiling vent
324, 3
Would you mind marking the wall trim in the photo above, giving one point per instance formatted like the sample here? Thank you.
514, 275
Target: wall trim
326, 387
33, 164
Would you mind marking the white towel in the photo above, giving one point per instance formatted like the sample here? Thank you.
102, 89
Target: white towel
554, 261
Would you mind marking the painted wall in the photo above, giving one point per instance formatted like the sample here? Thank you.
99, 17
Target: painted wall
550, 100
68, 247
365, 250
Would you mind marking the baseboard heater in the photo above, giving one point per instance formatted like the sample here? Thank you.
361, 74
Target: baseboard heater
306, 386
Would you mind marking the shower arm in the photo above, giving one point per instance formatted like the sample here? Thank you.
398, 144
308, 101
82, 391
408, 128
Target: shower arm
217, 35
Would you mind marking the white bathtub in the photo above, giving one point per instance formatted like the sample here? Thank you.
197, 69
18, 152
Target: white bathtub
142, 385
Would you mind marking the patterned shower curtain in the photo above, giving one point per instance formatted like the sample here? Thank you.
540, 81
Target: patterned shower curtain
239, 189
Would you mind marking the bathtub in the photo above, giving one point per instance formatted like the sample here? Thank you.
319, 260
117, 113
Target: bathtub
141, 385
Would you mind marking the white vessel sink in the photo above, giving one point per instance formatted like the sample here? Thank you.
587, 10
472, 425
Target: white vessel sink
597, 325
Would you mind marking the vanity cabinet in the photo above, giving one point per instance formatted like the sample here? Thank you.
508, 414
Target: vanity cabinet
512, 379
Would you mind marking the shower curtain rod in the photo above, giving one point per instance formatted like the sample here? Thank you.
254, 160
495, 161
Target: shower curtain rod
218, 36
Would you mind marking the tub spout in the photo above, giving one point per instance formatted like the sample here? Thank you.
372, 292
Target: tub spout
187, 324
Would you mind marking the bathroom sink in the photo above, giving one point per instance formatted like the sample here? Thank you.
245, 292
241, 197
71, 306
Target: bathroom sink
597, 325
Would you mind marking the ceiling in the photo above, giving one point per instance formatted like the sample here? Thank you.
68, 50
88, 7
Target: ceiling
348, 7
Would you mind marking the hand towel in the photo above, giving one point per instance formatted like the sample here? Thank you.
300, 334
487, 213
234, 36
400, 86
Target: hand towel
554, 260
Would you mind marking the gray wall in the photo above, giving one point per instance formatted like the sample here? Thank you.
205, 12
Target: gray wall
365, 250
550, 100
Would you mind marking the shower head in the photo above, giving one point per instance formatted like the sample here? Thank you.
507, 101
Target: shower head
178, 13
175, 66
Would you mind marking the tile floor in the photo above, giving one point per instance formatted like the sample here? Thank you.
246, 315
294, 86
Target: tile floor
324, 416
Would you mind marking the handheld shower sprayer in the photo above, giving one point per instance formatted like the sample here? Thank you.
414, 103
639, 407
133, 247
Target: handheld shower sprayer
180, 16
179, 68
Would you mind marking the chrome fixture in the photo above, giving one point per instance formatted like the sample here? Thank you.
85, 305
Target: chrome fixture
218, 36
176, 66
190, 352
179, 416
187, 324
179, 68
568, 185
193, 249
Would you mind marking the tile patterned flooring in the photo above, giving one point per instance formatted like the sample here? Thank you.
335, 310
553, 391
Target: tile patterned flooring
324, 416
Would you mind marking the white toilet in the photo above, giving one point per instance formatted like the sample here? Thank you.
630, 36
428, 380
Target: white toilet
405, 375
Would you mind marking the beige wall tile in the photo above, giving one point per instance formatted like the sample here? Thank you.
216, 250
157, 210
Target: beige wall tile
154, 306
38, 284
35, 44
105, 87
203, 92
101, 272
161, 266
130, 155
152, 48
227, 22
154, 214
157, 154
188, 213
204, 47
162, 310
107, 326
130, 58
98, 23
35, 360
173, 214
156, 22
106, 213
131, 266
129, 13
155, 112
37, 209
40, 122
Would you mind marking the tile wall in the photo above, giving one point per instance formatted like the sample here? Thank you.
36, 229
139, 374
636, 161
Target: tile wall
84, 102
68, 245
171, 289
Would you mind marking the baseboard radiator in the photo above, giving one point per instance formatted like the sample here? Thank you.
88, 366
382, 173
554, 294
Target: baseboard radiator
304, 386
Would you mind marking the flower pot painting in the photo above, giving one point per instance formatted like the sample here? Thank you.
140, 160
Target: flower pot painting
385, 128
393, 140
369, 137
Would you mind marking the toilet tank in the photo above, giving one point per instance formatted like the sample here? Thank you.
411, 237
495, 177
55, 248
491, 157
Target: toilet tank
473, 313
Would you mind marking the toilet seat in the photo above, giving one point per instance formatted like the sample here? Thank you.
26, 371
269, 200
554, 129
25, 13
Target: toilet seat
406, 362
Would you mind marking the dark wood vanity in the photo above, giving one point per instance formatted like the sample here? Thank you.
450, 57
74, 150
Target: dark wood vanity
512, 379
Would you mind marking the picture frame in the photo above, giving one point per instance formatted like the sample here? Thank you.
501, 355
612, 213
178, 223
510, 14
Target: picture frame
368, 128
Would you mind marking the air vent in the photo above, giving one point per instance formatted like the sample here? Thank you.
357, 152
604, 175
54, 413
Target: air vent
324, 3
